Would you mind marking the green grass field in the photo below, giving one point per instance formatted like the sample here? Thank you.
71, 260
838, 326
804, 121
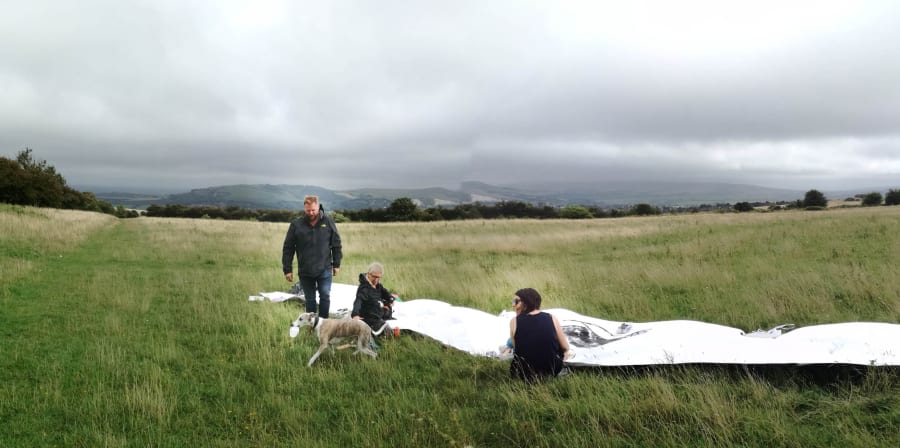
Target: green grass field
139, 333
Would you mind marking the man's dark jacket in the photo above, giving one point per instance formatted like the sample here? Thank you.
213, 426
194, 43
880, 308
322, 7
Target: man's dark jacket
317, 248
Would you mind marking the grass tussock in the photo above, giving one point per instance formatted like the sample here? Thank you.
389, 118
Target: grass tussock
143, 335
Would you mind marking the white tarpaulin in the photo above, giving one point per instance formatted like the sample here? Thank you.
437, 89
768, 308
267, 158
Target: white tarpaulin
598, 342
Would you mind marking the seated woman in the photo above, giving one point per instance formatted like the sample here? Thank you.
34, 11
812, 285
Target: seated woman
373, 302
539, 345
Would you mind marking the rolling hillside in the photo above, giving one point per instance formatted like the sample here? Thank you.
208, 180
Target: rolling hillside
290, 197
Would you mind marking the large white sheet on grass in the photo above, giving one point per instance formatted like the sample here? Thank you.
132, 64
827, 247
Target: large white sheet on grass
598, 342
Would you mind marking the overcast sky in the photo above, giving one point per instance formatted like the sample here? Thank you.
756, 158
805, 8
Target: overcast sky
345, 94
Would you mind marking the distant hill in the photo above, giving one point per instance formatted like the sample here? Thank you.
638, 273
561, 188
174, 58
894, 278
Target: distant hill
685, 194
607, 195
273, 197
290, 197
137, 201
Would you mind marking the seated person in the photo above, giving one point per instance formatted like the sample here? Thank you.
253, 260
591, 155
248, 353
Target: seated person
539, 345
374, 303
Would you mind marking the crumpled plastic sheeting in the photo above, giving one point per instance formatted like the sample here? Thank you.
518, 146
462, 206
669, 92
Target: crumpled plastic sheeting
598, 342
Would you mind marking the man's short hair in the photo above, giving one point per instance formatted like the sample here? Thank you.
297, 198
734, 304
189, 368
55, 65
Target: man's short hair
310, 200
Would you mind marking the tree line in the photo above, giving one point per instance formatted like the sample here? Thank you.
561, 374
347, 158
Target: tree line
400, 210
29, 181
406, 210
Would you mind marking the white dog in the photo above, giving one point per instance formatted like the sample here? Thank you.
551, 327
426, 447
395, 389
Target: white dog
332, 330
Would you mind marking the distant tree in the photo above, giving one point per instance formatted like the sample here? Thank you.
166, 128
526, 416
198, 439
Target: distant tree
36, 166
468, 211
815, 198
743, 207
12, 177
44, 186
402, 209
547, 212
272, 215
598, 212
339, 217
433, 214
76, 200
871, 199
644, 210
575, 212
892, 197
122, 212
30, 181
509, 209
154, 210
370, 215
106, 207
446, 214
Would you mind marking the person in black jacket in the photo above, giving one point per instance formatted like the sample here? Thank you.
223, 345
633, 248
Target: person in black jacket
315, 240
374, 303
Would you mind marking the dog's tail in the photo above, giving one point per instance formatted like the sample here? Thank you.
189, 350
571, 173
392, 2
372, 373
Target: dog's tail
381, 330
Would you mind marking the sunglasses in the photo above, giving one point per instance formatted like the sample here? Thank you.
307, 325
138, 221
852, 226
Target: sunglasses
516, 301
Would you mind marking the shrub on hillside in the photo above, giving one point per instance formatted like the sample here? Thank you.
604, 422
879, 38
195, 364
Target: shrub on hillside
339, 217
814, 198
575, 212
743, 207
892, 197
644, 210
870, 199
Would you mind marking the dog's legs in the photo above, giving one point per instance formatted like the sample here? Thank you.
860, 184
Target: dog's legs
362, 344
335, 341
316, 355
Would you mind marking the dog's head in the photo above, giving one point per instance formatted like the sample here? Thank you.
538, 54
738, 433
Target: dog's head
303, 320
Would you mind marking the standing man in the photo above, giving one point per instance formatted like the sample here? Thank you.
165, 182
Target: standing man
315, 240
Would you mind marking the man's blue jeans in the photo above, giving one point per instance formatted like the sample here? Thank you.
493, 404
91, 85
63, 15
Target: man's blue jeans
322, 284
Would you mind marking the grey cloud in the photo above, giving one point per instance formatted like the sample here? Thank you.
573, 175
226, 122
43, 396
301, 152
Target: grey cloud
433, 94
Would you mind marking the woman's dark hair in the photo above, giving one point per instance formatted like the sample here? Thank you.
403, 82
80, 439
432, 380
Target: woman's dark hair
530, 298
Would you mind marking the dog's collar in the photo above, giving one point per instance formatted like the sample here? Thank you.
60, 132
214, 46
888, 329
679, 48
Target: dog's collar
316, 323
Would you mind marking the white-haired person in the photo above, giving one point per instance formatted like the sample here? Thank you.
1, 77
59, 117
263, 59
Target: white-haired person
539, 345
374, 303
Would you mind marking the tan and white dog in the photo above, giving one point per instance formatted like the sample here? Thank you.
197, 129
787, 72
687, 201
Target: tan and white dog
330, 331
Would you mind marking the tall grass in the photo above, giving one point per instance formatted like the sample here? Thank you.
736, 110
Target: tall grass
142, 335
27, 233
742, 270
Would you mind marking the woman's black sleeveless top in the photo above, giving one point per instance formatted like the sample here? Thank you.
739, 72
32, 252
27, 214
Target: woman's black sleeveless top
537, 351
